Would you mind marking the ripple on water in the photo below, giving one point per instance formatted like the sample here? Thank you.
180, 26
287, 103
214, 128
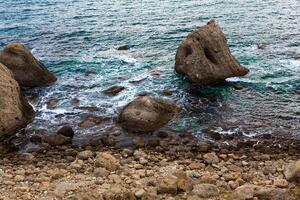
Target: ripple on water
77, 41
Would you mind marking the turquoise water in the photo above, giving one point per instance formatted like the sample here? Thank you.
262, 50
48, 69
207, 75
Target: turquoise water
77, 39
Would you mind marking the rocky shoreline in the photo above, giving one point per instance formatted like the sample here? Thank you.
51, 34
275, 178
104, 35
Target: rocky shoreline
67, 172
139, 158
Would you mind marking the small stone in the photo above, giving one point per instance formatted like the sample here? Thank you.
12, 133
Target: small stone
167, 184
282, 183
84, 155
19, 178
27, 157
206, 190
57, 140
196, 165
140, 193
107, 161
292, 171
77, 164
100, 172
211, 158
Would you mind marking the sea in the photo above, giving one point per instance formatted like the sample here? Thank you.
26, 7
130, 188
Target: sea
78, 39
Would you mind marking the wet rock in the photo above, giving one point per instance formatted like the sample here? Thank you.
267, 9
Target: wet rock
107, 161
123, 48
292, 171
204, 57
36, 139
114, 90
262, 46
162, 134
297, 57
27, 70
205, 190
57, 139
66, 131
146, 114
90, 121
52, 103
15, 111
84, 155
167, 184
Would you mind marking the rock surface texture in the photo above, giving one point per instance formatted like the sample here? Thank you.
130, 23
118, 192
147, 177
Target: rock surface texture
204, 57
146, 114
27, 70
15, 111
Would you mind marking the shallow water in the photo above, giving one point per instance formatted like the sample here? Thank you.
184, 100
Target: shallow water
77, 41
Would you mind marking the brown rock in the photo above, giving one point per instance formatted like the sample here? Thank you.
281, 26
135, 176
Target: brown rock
146, 114
27, 70
15, 111
114, 90
292, 171
90, 121
107, 161
84, 155
205, 190
118, 192
267, 193
57, 140
167, 184
204, 56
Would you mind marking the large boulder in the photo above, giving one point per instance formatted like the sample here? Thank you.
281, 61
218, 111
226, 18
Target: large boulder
204, 57
27, 70
146, 114
15, 111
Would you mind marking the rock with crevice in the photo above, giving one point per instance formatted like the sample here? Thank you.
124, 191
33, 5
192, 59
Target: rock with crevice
204, 57
26, 69
146, 114
15, 111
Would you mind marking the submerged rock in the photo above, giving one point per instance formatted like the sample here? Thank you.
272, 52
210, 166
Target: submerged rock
114, 90
204, 57
123, 48
146, 114
90, 121
15, 111
27, 70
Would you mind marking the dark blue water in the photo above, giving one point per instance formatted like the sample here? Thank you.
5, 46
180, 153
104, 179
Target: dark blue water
77, 39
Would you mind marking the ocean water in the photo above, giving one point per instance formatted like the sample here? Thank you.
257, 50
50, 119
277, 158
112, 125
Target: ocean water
77, 41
